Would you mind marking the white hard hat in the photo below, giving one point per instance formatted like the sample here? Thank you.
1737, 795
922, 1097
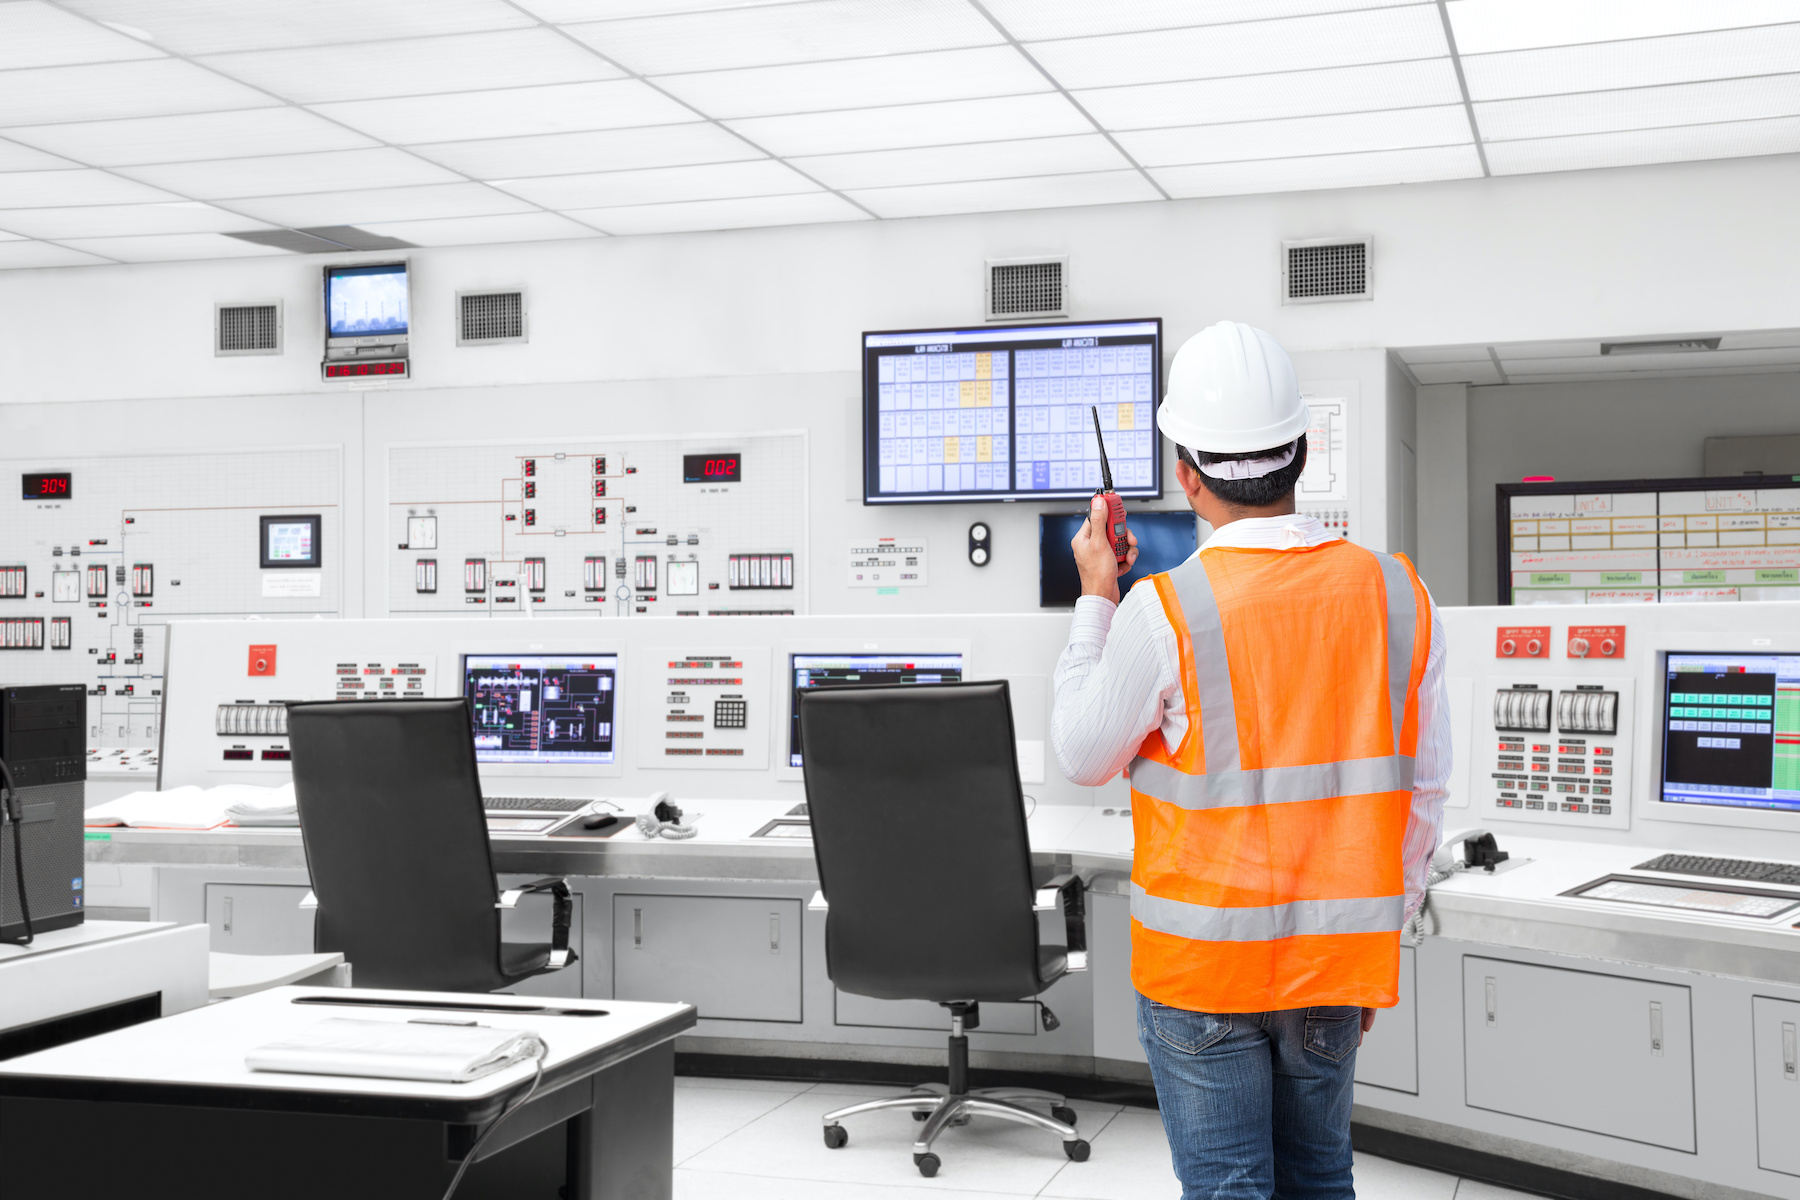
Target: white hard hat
1232, 390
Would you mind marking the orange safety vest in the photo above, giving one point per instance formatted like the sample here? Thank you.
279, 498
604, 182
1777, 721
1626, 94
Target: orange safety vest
1267, 872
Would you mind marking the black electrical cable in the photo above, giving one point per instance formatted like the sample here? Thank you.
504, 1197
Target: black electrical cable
12, 808
515, 1106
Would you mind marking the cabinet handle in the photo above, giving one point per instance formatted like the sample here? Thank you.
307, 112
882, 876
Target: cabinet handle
637, 929
1656, 1028
1790, 1055
1490, 1000
774, 933
228, 914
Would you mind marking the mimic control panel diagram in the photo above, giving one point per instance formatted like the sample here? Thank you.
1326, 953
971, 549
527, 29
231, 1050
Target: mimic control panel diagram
1557, 749
99, 554
613, 527
705, 708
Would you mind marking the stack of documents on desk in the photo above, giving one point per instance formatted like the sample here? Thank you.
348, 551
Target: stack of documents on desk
397, 1050
177, 808
249, 805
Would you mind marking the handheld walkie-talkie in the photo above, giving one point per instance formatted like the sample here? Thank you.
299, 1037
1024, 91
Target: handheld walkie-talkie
1115, 507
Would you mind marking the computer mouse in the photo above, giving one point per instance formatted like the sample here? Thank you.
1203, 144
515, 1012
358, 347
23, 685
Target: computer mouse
600, 821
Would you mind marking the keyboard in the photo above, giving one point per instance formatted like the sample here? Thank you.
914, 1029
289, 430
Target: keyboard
1745, 869
543, 804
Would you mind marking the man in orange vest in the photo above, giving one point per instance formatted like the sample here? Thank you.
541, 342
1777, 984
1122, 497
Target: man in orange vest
1278, 703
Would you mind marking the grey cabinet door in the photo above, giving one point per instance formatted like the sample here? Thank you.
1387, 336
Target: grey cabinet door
1604, 1053
1777, 1025
1389, 1055
733, 958
258, 918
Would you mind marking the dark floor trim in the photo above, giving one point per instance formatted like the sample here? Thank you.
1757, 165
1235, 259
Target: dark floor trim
904, 1075
1494, 1168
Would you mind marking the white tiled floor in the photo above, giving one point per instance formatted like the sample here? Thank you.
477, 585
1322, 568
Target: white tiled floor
743, 1139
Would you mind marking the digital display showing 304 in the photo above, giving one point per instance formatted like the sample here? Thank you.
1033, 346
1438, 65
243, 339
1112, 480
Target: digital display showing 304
712, 468
47, 485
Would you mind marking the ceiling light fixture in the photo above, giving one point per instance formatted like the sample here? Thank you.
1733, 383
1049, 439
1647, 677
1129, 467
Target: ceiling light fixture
1671, 346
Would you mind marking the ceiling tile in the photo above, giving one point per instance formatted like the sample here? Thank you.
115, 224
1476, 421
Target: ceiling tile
859, 83
1265, 97
1686, 143
1594, 68
957, 121
1483, 26
40, 189
1475, 371
1253, 48
1055, 191
281, 174
476, 231
33, 34
563, 12
598, 150
107, 220
382, 204
22, 255
696, 215
418, 67
218, 26
14, 157
1441, 354
11, 237
787, 33
513, 112
1326, 171
130, 89
1295, 137
614, 189
1033, 20
1641, 108
982, 160
195, 137
172, 247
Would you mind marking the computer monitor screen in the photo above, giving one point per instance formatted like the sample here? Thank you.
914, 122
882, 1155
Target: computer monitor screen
543, 708
995, 414
1731, 731
1165, 540
807, 671
369, 301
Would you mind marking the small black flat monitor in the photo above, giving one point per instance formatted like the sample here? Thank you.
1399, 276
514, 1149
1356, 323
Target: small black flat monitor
1731, 731
367, 304
806, 671
1165, 540
545, 709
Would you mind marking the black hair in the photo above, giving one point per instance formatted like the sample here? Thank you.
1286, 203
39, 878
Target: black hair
1251, 493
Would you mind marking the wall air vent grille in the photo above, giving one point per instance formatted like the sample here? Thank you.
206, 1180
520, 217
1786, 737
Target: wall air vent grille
484, 318
247, 329
1020, 288
1325, 269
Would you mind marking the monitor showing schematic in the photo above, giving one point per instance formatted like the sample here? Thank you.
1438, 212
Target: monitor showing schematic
807, 671
993, 414
1731, 731
543, 708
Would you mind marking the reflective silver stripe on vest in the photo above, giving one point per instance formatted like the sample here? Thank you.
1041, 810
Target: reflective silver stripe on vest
1297, 918
1402, 630
1212, 670
1271, 785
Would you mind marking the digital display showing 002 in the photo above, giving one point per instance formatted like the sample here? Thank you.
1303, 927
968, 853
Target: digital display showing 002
46, 485
712, 468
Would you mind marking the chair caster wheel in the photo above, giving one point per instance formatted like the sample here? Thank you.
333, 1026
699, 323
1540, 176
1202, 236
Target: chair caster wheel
920, 1116
1063, 1113
1077, 1150
836, 1137
928, 1164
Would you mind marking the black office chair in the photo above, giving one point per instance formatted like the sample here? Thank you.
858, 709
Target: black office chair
397, 848
925, 872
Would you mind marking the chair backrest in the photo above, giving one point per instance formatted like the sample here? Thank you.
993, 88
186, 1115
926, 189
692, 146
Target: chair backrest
919, 830
396, 842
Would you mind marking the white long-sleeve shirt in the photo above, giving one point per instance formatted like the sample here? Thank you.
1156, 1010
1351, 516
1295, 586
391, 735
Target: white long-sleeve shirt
1120, 677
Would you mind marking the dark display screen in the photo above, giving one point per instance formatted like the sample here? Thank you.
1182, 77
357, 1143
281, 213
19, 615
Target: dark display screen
47, 485
806, 671
542, 708
1731, 731
1164, 539
712, 468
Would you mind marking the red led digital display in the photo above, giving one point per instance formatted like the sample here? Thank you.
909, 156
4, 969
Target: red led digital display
46, 485
349, 370
712, 468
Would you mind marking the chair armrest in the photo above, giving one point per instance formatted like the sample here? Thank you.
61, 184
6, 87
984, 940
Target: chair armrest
562, 914
1072, 893
818, 903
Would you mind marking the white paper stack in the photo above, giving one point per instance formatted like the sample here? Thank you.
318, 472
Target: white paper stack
249, 805
177, 808
397, 1050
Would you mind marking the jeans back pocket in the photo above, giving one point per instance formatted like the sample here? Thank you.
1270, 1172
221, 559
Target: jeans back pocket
1333, 1030
1187, 1031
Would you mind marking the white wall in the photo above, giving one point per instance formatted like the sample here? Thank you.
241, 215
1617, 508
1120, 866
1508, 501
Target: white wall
1652, 429
1442, 440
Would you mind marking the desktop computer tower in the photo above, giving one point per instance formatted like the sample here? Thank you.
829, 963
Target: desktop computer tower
43, 732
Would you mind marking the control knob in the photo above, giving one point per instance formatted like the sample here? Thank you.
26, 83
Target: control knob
1509, 647
1578, 647
1534, 647
1608, 648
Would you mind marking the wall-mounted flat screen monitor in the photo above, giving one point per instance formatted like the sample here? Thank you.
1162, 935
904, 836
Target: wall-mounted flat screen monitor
1731, 731
1007, 413
807, 671
1165, 540
367, 303
548, 709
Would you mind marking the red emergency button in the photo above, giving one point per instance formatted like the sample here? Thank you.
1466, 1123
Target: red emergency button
262, 660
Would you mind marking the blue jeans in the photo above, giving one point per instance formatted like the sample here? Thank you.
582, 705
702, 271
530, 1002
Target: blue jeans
1256, 1105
